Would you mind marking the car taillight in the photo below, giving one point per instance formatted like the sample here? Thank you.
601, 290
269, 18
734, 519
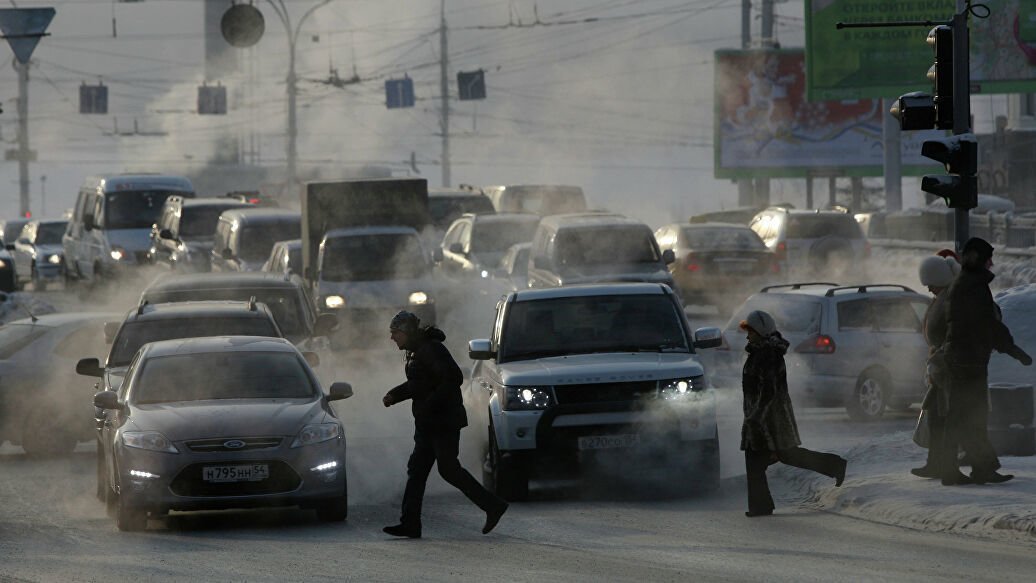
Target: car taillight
782, 251
691, 263
820, 344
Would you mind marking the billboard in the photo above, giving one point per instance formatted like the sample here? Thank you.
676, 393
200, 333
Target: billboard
765, 127
859, 63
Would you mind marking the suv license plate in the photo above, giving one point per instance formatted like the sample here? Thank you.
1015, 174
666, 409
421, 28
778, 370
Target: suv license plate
588, 442
251, 473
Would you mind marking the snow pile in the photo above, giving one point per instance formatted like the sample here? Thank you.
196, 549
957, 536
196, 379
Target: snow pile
894, 261
19, 305
1018, 305
879, 487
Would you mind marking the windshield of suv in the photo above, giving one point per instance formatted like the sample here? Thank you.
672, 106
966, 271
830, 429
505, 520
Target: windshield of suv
134, 209
133, 335
498, 236
588, 324
257, 241
50, 233
200, 221
222, 375
611, 245
285, 304
732, 239
373, 257
817, 226
794, 314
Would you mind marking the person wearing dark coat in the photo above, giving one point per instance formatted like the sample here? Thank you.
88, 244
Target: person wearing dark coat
433, 387
973, 330
936, 273
769, 433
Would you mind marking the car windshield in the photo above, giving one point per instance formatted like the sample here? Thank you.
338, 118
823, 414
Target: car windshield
724, 239
793, 314
285, 304
588, 324
499, 236
200, 221
222, 375
817, 226
373, 257
50, 233
133, 335
134, 209
611, 245
446, 209
257, 241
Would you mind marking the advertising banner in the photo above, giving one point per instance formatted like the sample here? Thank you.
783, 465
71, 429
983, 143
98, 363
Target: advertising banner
765, 127
859, 63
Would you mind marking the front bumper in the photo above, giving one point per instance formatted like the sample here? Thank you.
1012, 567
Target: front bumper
179, 482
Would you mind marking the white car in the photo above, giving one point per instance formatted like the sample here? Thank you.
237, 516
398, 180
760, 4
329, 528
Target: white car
592, 373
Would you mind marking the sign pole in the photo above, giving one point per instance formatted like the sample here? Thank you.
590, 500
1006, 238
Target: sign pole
961, 106
891, 136
23, 137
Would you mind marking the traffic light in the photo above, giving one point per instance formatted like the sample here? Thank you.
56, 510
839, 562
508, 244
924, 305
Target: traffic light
941, 75
959, 155
915, 111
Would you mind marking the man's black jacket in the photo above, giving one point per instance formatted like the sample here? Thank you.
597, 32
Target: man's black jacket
433, 383
973, 327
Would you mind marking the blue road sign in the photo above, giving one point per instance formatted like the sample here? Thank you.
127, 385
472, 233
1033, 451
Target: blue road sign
399, 93
23, 28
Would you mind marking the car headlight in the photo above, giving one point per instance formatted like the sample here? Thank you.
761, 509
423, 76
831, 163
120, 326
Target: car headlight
484, 273
54, 259
3, 264
118, 254
528, 398
418, 298
678, 388
149, 440
334, 302
317, 433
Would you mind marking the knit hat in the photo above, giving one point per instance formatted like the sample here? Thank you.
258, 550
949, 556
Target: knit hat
979, 246
761, 322
938, 271
406, 322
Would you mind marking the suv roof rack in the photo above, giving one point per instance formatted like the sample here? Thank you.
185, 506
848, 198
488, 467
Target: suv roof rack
251, 304
864, 288
797, 285
140, 308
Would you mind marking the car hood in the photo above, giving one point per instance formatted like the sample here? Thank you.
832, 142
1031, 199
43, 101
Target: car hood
231, 418
130, 239
50, 249
376, 294
601, 368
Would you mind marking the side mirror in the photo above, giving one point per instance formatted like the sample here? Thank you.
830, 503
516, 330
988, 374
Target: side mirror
437, 255
708, 337
340, 391
107, 400
456, 248
88, 222
166, 234
668, 257
312, 358
481, 349
110, 330
226, 254
325, 324
89, 367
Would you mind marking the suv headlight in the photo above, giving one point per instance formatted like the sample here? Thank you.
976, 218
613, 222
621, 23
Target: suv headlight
679, 388
54, 259
118, 253
317, 433
419, 298
149, 440
528, 398
334, 302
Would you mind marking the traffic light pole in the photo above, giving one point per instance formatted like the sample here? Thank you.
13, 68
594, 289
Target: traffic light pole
961, 108
24, 152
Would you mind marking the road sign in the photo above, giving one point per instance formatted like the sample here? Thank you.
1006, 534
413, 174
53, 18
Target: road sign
471, 85
399, 93
23, 28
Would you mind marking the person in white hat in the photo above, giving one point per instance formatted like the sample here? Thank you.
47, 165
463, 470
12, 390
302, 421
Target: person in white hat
769, 433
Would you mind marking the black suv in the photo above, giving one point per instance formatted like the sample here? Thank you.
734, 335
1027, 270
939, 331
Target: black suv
182, 237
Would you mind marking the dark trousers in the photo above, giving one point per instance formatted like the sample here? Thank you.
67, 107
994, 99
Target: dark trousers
936, 440
756, 462
440, 447
966, 427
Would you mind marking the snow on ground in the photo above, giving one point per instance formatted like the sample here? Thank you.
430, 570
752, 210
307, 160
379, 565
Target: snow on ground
879, 488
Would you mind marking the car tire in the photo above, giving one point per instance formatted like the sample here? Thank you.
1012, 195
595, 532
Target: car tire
870, 397
335, 509
129, 518
45, 435
502, 476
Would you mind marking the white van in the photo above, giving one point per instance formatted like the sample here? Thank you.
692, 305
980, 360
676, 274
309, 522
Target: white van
111, 224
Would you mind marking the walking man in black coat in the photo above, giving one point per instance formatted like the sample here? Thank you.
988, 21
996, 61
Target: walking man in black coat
769, 433
433, 385
973, 331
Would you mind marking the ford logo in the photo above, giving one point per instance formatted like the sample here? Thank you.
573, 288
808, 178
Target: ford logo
234, 444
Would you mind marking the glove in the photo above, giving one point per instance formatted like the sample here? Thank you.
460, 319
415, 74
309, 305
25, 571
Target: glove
1020, 355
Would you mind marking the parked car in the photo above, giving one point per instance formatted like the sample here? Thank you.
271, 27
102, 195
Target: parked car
590, 373
285, 258
286, 297
814, 242
44, 406
474, 244
182, 238
858, 347
245, 237
38, 254
596, 247
717, 263
225, 422
446, 205
541, 199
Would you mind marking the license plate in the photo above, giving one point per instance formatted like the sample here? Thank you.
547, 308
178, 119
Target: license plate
250, 473
608, 441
